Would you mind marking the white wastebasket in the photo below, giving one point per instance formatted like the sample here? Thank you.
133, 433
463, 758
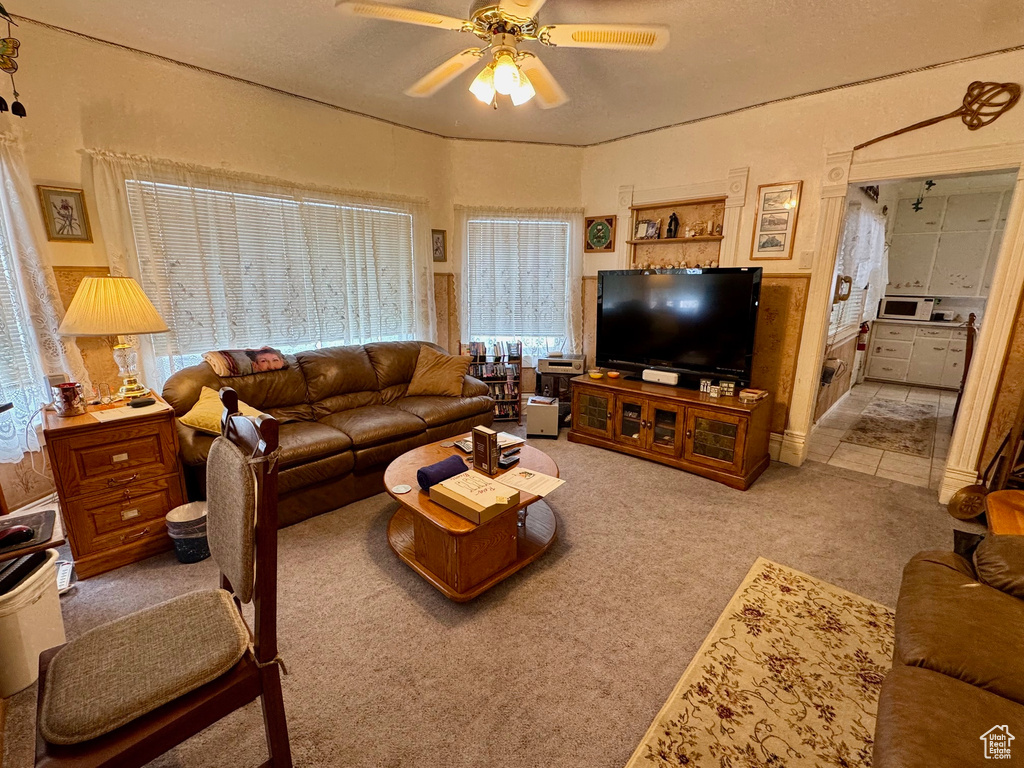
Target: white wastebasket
30, 622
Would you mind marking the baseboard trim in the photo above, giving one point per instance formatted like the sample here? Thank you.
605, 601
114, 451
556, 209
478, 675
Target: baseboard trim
953, 479
775, 445
793, 449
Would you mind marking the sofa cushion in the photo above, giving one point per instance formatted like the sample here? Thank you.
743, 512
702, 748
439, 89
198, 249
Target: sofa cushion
338, 378
437, 374
928, 720
315, 472
375, 424
949, 623
999, 562
205, 415
393, 363
267, 391
300, 441
128, 667
444, 410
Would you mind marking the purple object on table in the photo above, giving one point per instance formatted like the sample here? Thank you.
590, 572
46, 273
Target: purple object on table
432, 474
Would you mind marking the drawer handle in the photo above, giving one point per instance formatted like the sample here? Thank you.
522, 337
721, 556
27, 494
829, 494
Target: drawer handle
894, 333
115, 483
938, 349
134, 536
689, 433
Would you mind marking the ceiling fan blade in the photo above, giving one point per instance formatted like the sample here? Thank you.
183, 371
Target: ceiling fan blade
521, 9
620, 37
440, 76
549, 92
406, 15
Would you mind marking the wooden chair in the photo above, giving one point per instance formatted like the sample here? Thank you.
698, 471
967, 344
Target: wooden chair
73, 677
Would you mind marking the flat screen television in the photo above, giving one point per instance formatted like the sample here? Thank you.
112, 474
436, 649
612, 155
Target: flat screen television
695, 322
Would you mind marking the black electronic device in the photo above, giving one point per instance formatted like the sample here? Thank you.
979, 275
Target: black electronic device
141, 402
694, 322
508, 461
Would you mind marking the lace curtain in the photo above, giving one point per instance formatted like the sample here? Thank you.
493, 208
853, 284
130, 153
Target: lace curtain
521, 277
862, 256
232, 260
30, 311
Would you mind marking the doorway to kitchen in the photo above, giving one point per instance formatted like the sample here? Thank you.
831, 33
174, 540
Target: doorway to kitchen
913, 272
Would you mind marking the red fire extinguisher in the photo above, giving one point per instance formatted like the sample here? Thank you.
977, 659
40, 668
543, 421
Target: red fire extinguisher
862, 337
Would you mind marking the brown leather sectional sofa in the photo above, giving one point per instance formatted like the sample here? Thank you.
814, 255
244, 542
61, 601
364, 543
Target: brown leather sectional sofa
958, 662
344, 416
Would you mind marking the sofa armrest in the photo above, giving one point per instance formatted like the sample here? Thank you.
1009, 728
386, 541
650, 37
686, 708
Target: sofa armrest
999, 562
195, 445
473, 387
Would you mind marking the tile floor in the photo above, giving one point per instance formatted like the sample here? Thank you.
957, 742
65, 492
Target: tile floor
827, 445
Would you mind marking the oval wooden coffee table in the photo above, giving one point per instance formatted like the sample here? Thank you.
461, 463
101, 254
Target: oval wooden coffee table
459, 558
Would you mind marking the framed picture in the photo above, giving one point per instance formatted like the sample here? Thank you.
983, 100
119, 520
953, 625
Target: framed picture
64, 214
600, 234
647, 229
439, 244
775, 220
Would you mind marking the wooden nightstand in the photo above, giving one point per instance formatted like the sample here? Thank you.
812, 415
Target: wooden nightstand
116, 480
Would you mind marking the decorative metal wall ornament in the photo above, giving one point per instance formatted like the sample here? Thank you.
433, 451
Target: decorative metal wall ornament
8, 53
982, 104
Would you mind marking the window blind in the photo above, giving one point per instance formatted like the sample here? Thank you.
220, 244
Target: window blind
230, 269
517, 280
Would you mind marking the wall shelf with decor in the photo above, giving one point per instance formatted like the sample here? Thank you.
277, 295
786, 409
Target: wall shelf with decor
696, 241
500, 367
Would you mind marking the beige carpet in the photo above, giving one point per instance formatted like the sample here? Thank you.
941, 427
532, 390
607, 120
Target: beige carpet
564, 664
895, 426
789, 676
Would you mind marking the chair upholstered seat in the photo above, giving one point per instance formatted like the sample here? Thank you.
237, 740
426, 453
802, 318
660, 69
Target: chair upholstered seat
126, 668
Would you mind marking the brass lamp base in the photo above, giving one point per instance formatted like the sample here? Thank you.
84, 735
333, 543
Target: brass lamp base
127, 360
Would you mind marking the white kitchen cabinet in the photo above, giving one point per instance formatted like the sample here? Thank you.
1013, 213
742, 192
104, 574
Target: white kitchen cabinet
897, 349
959, 263
927, 361
910, 264
966, 213
887, 368
928, 219
953, 368
993, 259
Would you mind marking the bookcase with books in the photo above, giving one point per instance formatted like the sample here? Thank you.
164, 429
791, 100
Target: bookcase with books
500, 366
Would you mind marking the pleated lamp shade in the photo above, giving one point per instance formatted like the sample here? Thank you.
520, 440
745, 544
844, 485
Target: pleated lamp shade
111, 306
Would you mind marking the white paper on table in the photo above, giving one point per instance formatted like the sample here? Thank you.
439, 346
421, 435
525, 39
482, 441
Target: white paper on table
507, 440
530, 481
127, 412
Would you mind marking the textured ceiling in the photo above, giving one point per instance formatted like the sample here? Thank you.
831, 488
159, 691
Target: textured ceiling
723, 55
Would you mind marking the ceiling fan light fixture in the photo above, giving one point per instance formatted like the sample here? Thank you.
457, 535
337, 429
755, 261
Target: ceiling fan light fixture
524, 92
506, 74
483, 85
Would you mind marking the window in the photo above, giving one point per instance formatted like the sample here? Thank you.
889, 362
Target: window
22, 380
234, 269
862, 258
520, 280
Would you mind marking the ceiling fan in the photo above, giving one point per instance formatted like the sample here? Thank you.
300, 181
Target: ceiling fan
503, 25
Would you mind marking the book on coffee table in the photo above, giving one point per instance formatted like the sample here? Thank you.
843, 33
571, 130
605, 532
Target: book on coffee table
474, 496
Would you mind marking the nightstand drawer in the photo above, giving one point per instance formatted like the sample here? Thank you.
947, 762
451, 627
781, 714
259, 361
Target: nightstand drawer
115, 458
113, 519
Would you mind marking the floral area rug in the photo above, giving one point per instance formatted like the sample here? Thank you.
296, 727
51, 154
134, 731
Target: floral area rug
789, 677
895, 426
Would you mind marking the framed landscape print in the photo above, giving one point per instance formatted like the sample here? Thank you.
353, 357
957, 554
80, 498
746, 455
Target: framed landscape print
64, 214
439, 244
599, 232
775, 220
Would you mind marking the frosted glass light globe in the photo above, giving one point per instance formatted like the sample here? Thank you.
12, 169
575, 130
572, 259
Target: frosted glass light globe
506, 74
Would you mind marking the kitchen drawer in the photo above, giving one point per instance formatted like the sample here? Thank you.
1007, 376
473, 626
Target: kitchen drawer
894, 332
114, 458
959, 333
896, 349
111, 519
933, 333
887, 368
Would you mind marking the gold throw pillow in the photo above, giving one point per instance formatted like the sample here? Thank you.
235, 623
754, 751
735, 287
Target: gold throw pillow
205, 415
437, 374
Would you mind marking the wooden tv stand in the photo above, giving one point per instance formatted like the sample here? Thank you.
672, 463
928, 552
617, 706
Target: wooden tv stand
717, 437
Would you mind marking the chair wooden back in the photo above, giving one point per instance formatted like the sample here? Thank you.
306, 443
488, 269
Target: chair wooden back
258, 438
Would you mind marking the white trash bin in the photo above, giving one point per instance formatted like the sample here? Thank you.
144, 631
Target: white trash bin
30, 622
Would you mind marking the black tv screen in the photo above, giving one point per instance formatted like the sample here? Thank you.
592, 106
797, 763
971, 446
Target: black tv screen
696, 322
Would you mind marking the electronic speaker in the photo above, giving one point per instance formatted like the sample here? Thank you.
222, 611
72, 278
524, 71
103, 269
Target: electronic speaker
660, 377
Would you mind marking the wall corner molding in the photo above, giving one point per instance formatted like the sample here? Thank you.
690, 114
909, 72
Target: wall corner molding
793, 447
837, 174
737, 189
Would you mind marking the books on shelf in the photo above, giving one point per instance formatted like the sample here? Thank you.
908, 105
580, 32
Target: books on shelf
499, 366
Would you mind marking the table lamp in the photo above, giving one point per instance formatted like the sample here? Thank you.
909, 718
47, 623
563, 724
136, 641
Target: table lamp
114, 306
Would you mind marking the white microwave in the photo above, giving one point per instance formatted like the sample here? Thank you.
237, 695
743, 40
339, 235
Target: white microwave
905, 308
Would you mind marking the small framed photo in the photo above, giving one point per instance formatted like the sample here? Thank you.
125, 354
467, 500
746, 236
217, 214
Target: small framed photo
599, 232
647, 229
775, 220
439, 244
64, 214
